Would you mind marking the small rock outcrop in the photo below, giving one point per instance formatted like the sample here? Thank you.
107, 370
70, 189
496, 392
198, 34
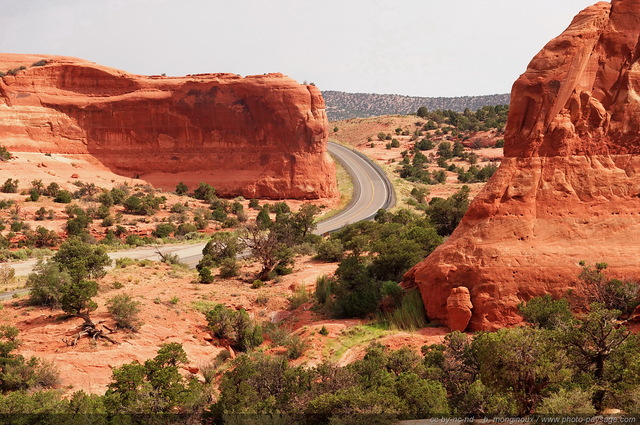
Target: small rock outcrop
568, 188
459, 308
260, 136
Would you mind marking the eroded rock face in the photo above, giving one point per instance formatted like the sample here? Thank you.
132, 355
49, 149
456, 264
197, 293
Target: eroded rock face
459, 308
569, 186
259, 136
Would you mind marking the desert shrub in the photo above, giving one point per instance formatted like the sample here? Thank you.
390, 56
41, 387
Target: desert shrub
34, 195
181, 188
445, 214
545, 312
300, 296
82, 260
179, 208
222, 245
614, 294
229, 268
5, 155
107, 221
236, 326
124, 262
205, 275
164, 230
409, 314
52, 189
324, 290
63, 197
78, 225
205, 192
171, 258
154, 389
125, 311
6, 203
567, 402
185, 228
296, 346
146, 205
257, 284
254, 204
330, 250
134, 240
45, 284
10, 186
42, 237
17, 226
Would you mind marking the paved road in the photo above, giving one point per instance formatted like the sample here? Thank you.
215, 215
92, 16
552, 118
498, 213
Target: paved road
371, 191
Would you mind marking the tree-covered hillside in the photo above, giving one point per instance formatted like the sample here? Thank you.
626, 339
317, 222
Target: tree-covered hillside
341, 105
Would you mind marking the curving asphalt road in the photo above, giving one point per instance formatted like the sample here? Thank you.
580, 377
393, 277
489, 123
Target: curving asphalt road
372, 190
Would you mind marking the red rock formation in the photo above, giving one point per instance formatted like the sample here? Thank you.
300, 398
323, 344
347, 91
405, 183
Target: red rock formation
260, 136
569, 186
459, 308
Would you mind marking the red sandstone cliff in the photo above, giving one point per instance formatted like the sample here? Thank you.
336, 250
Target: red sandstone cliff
569, 187
260, 136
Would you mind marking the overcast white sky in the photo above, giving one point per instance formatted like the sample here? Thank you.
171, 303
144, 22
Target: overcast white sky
411, 47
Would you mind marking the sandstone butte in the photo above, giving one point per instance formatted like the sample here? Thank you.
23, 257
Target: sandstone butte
260, 136
569, 186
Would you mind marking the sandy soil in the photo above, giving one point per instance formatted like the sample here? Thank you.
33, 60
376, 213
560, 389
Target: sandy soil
170, 303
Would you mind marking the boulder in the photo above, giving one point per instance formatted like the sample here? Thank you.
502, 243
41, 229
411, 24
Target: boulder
459, 309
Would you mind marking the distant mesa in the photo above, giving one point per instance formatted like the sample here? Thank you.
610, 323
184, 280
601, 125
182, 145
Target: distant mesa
342, 106
260, 136
568, 188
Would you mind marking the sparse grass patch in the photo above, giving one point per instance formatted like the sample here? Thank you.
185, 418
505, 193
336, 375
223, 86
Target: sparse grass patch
203, 305
300, 296
262, 300
351, 337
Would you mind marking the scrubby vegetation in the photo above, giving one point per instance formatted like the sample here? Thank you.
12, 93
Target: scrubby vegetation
380, 253
579, 366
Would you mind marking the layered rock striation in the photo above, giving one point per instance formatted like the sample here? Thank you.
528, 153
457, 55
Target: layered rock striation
260, 136
569, 186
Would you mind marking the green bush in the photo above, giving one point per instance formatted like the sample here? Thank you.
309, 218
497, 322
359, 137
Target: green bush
10, 186
545, 312
205, 192
125, 311
204, 275
63, 197
164, 230
330, 250
300, 296
147, 205
45, 284
409, 314
5, 155
236, 326
229, 268
567, 402
181, 188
